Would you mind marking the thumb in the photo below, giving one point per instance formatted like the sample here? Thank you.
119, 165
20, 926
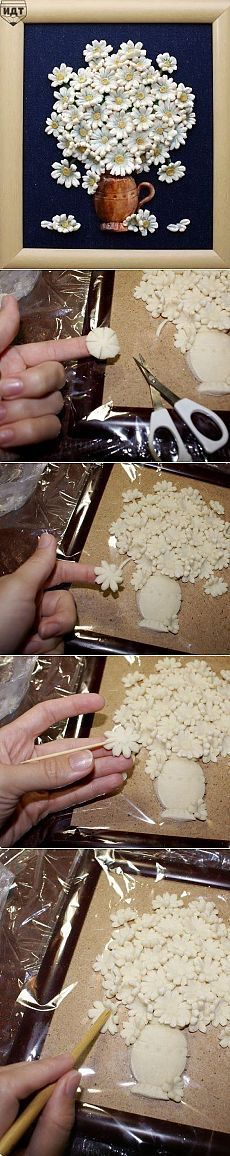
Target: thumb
34, 573
9, 322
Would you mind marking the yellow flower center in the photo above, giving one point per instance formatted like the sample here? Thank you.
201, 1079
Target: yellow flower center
119, 158
66, 171
183, 97
170, 170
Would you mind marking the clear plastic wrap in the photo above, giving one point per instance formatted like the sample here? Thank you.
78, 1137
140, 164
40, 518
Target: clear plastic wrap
136, 812
52, 677
119, 616
33, 883
58, 494
98, 886
65, 303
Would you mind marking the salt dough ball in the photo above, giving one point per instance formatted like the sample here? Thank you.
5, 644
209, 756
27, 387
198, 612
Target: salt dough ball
159, 602
209, 358
181, 788
158, 1059
103, 342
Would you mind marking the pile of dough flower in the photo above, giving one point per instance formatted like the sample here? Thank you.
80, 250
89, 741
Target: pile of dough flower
179, 713
174, 532
168, 966
189, 298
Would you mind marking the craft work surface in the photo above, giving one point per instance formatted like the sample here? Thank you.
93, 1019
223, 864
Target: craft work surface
137, 331
108, 1080
50, 509
203, 621
137, 807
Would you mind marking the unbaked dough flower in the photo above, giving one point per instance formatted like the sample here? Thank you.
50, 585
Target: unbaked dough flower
180, 227
60, 75
109, 576
65, 174
62, 224
166, 62
171, 172
143, 220
122, 741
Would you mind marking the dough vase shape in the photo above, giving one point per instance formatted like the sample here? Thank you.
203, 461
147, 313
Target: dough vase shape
117, 198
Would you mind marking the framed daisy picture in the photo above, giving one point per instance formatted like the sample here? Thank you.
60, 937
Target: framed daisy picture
115, 145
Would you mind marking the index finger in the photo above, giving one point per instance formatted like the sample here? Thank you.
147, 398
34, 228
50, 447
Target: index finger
66, 571
46, 714
9, 322
21, 1079
66, 349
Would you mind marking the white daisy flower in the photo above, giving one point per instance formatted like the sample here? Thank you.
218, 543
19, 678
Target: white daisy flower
171, 172
109, 576
89, 96
143, 220
167, 88
64, 99
185, 96
166, 62
53, 123
119, 162
117, 101
97, 51
60, 75
90, 181
62, 224
179, 136
66, 174
180, 227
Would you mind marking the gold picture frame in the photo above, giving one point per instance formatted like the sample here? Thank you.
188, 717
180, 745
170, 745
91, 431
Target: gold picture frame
12, 253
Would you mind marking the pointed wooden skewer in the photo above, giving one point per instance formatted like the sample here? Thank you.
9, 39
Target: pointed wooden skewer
90, 746
30, 1114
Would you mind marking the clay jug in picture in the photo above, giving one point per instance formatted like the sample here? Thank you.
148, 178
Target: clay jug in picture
118, 197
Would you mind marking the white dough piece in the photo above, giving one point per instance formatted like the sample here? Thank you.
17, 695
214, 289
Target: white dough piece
159, 602
103, 342
181, 788
209, 359
158, 1059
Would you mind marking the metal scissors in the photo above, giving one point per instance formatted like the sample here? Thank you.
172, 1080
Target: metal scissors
198, 434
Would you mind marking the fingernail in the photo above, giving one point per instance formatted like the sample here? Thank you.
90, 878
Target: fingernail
4, 300
124, 777
2, 412
81, 762
6, 436
12, 388
44, 541
72, 1084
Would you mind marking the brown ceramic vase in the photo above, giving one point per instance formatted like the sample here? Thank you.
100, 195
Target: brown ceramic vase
118, 197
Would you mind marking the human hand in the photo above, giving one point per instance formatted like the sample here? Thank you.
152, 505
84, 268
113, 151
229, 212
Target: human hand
32, 378
30, 792
17, 1081
33, 616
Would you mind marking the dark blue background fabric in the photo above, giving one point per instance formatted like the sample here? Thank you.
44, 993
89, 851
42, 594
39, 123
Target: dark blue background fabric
47, 45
